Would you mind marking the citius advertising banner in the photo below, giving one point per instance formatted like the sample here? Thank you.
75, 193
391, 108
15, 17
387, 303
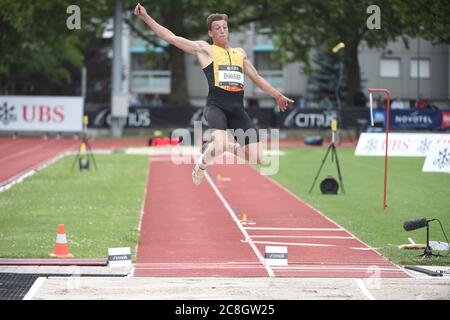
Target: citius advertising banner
41, 113
308, 118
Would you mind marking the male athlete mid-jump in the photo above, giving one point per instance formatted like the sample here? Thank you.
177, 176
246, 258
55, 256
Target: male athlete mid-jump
224, 68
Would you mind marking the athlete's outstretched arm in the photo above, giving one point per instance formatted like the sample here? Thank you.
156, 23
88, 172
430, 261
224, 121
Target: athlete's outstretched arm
265, 86
189, 46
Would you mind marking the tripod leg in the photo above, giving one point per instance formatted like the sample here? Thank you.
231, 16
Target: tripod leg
320, 169
76, 160
90, 154
338, 169
93, 159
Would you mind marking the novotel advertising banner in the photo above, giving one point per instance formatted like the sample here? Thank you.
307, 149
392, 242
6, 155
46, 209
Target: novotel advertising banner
41, 113
414, 119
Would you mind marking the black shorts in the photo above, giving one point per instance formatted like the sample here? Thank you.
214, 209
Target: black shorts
236, 118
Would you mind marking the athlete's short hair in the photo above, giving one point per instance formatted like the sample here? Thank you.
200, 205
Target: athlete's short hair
215, 17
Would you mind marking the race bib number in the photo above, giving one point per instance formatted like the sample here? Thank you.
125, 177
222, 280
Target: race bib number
231, 76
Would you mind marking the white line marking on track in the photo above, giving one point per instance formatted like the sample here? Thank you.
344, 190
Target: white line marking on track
197, 266
364, 249
302, 237
34, 288
364, 290
238, 223
337, 268
141, 215
34, 169
6, 145
23, 152
291, 243
324, 216
22, 176
295, 229
193, 263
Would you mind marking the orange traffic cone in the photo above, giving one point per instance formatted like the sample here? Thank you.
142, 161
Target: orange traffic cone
61, 249
244, 218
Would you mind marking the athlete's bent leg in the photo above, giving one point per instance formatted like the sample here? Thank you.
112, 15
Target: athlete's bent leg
254, 153
220, 143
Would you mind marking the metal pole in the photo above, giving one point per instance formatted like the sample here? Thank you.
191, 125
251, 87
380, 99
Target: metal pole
338, 97
116, 123
338, 89
388, 111
418, 68
83, 82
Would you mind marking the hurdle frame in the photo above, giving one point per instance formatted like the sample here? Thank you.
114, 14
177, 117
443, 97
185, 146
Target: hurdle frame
388, 112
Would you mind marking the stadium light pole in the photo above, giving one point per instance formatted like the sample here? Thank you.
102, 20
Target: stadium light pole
336, 50
116, 88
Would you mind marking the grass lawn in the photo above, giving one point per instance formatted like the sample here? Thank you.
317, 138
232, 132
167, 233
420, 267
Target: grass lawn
411, 194
99, 209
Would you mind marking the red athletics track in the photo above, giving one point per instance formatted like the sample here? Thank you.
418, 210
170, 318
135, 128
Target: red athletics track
186, 231
22, 154
193, 231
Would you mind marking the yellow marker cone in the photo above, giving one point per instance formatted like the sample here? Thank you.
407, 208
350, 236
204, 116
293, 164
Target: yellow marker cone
219, 177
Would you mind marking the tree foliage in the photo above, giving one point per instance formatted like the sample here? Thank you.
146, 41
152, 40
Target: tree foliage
325, 77
35, 41
301, 25
36, 45
187, 18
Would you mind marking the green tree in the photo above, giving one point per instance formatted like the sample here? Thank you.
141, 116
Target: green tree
36, 44
187, 18
325, 76
313, 23
429, 19
301, 25
183, 18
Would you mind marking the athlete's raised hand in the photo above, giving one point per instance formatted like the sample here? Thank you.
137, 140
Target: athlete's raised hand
140, 11
283, 102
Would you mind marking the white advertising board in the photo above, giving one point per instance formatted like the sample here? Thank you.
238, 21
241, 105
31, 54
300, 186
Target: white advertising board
41, 113
400, 144
438, 158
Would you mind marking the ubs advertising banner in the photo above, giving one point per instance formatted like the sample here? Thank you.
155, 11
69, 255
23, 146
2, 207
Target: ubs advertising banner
438, 158
400, 144
41, 113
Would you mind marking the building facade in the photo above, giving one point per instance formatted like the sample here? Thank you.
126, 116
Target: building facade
422, 70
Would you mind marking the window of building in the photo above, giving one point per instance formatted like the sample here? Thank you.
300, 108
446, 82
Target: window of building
265, 61
149, 61
424, 68
390, 68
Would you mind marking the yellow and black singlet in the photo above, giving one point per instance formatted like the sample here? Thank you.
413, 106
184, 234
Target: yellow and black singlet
225, 75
